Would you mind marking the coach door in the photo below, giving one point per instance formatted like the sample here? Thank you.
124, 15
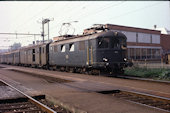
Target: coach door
39, 55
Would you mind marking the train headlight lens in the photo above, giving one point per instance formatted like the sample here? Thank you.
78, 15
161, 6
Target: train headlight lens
125, 59
105, 59
107, 64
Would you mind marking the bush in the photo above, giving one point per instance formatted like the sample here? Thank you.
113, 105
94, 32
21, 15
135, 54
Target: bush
148, 73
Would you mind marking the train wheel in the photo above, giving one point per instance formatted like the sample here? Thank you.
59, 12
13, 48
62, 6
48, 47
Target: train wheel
95, 72
72, 70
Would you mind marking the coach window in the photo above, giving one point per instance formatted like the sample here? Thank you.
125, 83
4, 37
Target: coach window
63, 48
103, 42
43, 50
33, 55
82, 45
51, 48
71, 47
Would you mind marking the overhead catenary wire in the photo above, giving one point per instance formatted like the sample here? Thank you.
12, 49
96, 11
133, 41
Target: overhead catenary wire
133, 11
99, 11
75, 12
28, 20
20, 14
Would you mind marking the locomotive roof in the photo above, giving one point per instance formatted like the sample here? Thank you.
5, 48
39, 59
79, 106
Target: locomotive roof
89, 36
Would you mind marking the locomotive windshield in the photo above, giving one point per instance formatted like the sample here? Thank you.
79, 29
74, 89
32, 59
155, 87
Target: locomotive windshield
103, 42
112, 42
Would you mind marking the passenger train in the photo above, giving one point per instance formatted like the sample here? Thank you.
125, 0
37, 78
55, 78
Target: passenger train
101, 50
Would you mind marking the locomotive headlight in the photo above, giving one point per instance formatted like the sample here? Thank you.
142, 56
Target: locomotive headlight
105, 59
107, 64
125, 59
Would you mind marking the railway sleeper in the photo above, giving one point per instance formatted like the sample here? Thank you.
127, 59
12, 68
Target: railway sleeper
139, 98
30, 110
167, 107
19, 103
25, 111
17, 106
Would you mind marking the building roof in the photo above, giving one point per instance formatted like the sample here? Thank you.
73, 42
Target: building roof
163, 30
132, 29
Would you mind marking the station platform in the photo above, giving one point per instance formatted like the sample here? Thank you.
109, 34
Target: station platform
80, 95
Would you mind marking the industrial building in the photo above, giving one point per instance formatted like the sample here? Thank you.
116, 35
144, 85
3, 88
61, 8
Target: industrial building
142, 44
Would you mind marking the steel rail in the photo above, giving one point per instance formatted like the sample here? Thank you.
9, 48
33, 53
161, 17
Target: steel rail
42, 106
151, 101
147, 96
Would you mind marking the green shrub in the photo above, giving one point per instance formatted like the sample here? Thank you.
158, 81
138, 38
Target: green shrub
148, 73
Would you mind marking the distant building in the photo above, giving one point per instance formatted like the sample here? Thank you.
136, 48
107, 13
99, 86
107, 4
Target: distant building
142, 44
165, 43
3, 50
16, 46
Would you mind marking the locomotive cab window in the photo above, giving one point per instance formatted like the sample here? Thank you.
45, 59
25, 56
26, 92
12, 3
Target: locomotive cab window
71, 47
103, 42
63, 48
114, 43
122, 42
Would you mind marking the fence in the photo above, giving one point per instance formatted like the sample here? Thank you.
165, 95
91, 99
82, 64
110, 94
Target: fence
148, 64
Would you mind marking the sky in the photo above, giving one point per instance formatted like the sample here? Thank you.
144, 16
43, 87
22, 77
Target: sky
26, 17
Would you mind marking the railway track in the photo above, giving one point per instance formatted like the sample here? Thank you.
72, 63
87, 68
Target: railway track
148, 100
27, 104
114, 75
142, 79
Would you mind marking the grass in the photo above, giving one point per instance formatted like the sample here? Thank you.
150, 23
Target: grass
161, 73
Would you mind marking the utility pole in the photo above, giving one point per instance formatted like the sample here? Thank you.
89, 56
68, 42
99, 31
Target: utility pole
44, 21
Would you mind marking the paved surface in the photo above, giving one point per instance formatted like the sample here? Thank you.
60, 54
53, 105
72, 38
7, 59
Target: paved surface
81, 94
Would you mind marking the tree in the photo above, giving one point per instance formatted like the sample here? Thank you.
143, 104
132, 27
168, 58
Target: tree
15, 46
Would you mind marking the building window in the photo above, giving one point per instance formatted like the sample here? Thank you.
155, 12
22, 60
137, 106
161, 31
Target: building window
136, 37
151, 38
137, 53
143, 53
156, 53
71, 47
63, 48
149, 53
132, 53
82, 45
